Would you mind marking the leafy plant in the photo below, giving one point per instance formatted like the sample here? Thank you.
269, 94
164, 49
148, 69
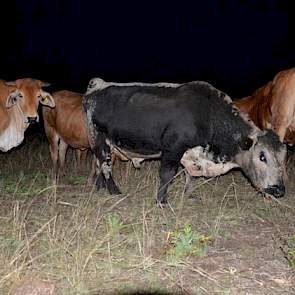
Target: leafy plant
114, 224
186, 242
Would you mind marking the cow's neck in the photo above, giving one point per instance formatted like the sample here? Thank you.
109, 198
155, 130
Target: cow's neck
13, 135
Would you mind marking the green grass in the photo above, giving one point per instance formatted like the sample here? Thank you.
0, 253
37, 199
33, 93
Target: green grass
186, 242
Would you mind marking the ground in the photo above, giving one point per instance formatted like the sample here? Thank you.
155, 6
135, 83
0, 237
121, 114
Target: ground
228, 239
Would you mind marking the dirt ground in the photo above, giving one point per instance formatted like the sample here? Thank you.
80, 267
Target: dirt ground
228, 239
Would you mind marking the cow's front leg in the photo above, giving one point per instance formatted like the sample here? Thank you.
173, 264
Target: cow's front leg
168, 170
105, 178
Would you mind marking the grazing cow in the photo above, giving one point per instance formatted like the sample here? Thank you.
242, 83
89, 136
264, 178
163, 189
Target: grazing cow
167, 120
273, 106
19, 102
65, 126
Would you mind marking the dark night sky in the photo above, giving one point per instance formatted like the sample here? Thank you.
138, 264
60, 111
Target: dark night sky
236, 45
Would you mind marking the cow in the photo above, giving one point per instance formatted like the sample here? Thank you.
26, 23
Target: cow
19, 102
65, 126
273, 106
165, 121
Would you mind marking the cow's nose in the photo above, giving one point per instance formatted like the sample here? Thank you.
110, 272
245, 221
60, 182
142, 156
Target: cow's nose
277, 191
32, 120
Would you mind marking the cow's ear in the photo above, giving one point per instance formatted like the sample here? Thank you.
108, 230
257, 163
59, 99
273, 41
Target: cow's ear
246, 143
13, 98
46, 99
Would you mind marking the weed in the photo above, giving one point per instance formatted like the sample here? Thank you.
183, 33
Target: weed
187, 242
114, 224
291, 251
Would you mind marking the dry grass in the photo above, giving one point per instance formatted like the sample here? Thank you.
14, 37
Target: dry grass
88, 242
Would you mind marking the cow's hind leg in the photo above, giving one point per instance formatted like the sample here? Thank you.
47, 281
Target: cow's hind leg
168, 170
105, 178
62, 150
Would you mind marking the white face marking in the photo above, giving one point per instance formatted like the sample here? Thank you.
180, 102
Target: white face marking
199, 162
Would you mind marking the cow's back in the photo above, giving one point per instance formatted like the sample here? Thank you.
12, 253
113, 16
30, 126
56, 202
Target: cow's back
258, 106
151, 119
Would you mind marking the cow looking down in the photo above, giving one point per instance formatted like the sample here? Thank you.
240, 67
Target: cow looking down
19, 102
167, 120
273, 106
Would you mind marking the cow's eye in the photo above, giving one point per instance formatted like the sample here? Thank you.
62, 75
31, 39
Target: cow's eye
262, 157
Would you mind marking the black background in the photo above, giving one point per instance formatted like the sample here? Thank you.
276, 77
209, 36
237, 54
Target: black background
236, 45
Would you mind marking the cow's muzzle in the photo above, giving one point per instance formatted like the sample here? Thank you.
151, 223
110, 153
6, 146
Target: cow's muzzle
32, 120
277, 191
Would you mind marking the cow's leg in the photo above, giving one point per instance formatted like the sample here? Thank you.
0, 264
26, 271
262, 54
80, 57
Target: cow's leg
62, 150
189, 185
53, 147
93, 172
81, 157
168, 170
105, 178
78, 156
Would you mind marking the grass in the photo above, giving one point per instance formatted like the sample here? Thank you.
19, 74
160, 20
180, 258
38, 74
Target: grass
226, 241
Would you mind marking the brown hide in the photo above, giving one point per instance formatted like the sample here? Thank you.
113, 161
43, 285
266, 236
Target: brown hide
19, 102
65, 126
273, 106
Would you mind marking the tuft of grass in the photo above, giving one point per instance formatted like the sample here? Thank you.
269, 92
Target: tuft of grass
187, 242
291, 251
114, 224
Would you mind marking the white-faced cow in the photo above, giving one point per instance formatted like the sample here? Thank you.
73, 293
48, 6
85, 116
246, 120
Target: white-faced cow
167, 120
18, 108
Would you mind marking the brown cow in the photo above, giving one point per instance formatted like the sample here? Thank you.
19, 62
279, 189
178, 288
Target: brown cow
18, 108
273, 106
65, 126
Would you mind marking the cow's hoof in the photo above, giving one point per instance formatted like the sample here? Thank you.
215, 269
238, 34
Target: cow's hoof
114, 191
161, 203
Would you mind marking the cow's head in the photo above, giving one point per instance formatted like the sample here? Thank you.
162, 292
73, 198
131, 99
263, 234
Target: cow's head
262, 157
27, 94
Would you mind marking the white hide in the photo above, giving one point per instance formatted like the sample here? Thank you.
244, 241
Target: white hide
199, 162
13, 135
99, 84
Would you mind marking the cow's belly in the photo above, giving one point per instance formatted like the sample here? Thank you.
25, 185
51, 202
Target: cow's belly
198, 162
135, 157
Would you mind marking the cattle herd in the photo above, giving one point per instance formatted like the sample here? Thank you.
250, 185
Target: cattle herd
192, 124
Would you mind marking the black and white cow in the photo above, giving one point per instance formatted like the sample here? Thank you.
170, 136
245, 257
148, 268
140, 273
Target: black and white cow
192, 122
